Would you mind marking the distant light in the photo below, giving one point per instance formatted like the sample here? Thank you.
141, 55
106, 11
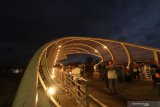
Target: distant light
51, 91
96, 51
105, 47
16, 71
58, 50
127, 66
59, 46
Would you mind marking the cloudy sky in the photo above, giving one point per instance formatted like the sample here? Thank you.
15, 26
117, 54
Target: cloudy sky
25, 25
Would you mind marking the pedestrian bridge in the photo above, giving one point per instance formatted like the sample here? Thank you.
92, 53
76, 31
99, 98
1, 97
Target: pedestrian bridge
40, 74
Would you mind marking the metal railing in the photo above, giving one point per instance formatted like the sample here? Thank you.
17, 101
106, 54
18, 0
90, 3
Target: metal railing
75, 86
78, 87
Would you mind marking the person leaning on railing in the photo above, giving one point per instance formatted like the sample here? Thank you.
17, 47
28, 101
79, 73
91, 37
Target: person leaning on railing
76, 73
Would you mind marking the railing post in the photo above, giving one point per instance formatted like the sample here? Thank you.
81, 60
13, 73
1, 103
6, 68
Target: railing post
66, 81
78, 87
87, 94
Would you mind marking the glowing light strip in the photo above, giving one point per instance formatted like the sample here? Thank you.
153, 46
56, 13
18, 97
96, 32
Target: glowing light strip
75, 44
114, 41
127, 52
156, 56
77, 48
92, 40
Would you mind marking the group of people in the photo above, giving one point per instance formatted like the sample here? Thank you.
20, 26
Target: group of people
109, 73
134, 71
75, 70
142, 71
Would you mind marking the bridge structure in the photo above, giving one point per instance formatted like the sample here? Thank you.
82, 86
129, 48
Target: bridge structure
40, 73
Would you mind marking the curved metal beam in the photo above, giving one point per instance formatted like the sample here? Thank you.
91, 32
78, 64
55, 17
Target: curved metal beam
77, 48
128, 54
89, 39
67, 52
155, 56
85, 46
87, 52
114, 41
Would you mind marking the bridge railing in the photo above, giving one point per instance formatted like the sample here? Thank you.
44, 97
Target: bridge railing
77, 87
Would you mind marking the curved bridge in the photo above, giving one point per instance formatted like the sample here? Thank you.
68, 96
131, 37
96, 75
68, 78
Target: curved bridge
39, 74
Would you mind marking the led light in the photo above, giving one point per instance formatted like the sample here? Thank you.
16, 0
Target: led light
53, 70
105, 47
36, 97
51, 91
95, 67
52, 76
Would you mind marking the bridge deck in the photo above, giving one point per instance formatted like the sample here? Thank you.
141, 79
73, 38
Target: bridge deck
137, 90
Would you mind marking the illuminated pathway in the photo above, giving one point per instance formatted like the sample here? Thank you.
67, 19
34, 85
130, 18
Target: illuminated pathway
34, 89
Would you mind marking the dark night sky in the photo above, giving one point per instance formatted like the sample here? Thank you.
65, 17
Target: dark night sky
25, 25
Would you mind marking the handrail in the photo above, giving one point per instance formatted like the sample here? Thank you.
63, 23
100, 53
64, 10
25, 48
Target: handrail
74, 87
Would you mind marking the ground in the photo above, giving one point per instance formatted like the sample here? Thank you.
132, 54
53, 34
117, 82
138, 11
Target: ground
8, 86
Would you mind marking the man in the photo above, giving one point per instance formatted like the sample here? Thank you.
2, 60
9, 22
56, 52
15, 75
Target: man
112, 77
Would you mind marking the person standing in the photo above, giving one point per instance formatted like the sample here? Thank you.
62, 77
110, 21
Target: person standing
76, 72
112, 77
127, 73
135, 70
154, 69
102, 71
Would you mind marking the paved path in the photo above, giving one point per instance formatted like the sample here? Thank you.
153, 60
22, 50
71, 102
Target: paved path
98, 89
135, 91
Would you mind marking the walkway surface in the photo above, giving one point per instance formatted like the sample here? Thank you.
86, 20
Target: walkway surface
138, 90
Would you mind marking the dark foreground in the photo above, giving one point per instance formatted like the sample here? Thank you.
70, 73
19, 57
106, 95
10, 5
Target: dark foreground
8, 85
